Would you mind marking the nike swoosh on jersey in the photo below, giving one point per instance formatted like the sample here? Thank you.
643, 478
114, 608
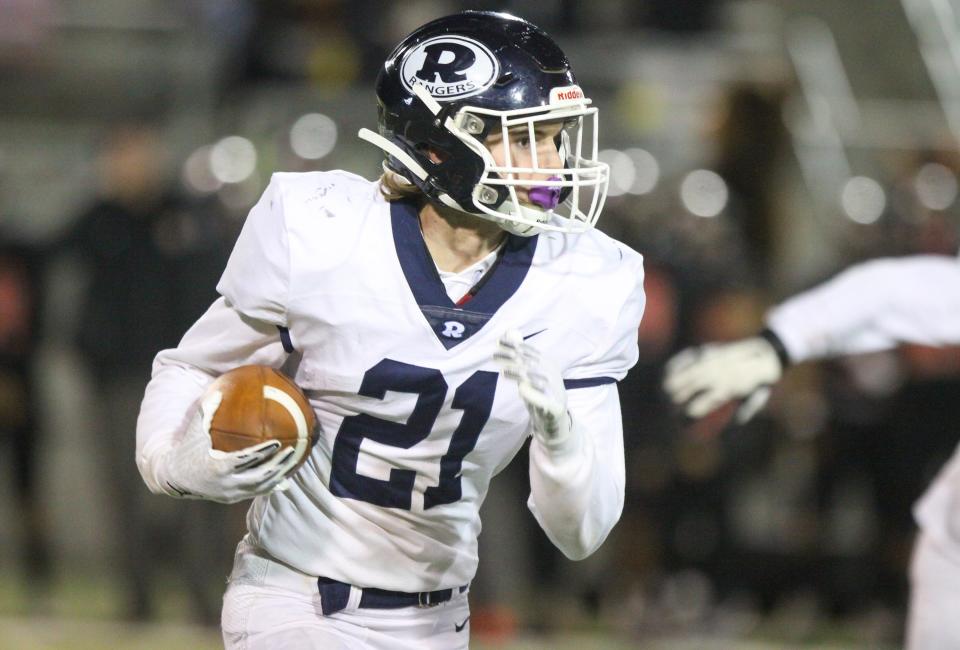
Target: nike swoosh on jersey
530, 336
459, 628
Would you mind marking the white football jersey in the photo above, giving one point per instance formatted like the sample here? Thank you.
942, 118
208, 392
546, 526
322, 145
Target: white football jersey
873, 306
876, 306
415, 418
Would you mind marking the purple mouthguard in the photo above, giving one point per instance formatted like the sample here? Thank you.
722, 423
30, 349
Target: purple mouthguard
546, 197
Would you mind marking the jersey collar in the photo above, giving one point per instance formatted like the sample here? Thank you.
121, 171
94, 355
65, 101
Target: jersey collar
452, 324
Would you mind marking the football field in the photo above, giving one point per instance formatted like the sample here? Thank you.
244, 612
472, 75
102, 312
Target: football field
79, 614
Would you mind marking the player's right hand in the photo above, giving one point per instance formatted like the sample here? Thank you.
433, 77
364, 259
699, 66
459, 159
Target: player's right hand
701, 379
194, 470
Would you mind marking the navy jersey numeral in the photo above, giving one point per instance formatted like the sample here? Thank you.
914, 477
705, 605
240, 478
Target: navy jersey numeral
474, 397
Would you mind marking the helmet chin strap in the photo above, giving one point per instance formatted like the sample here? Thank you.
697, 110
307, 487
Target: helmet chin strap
408, 161
432, 105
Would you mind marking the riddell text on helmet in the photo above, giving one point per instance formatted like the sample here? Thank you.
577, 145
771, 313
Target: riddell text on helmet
566, 93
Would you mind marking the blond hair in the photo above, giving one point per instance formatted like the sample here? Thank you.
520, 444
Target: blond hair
395, 187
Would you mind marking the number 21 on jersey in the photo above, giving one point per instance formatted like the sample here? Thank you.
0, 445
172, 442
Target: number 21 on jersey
474, 397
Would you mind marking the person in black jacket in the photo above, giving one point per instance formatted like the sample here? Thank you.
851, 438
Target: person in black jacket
152, 257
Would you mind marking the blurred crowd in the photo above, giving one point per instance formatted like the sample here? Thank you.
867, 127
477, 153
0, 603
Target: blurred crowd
804, 510
150, 256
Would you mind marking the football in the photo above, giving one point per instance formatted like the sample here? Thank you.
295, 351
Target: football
261, 403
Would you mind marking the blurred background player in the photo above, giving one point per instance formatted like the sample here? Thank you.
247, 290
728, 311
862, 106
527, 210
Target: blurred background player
873, 306
400, 305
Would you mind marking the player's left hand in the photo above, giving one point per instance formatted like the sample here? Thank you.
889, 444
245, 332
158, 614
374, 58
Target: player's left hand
541, 388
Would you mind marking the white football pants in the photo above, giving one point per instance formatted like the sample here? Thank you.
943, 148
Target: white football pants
269, 606
933, 621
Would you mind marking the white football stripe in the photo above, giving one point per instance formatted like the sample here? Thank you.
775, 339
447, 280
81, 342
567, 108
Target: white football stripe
288, 403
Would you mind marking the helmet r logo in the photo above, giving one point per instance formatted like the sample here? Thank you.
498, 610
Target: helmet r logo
446, 60
450, 67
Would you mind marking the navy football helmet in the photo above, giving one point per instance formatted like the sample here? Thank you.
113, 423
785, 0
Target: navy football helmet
457, 80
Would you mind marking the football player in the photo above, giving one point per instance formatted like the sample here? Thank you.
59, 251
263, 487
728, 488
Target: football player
438, 317
870, 307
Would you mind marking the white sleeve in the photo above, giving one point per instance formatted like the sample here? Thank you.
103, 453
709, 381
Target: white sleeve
256, 278
615, 351
221, 340
239, 329
577, 492
873, 306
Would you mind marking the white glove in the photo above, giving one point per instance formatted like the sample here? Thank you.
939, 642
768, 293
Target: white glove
192, 469
540, 388
703, 378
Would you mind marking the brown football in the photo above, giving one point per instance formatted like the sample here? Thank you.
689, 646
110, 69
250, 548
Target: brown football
261, 403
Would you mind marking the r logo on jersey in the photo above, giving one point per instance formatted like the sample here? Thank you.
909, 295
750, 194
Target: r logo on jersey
450, 67
453, 330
